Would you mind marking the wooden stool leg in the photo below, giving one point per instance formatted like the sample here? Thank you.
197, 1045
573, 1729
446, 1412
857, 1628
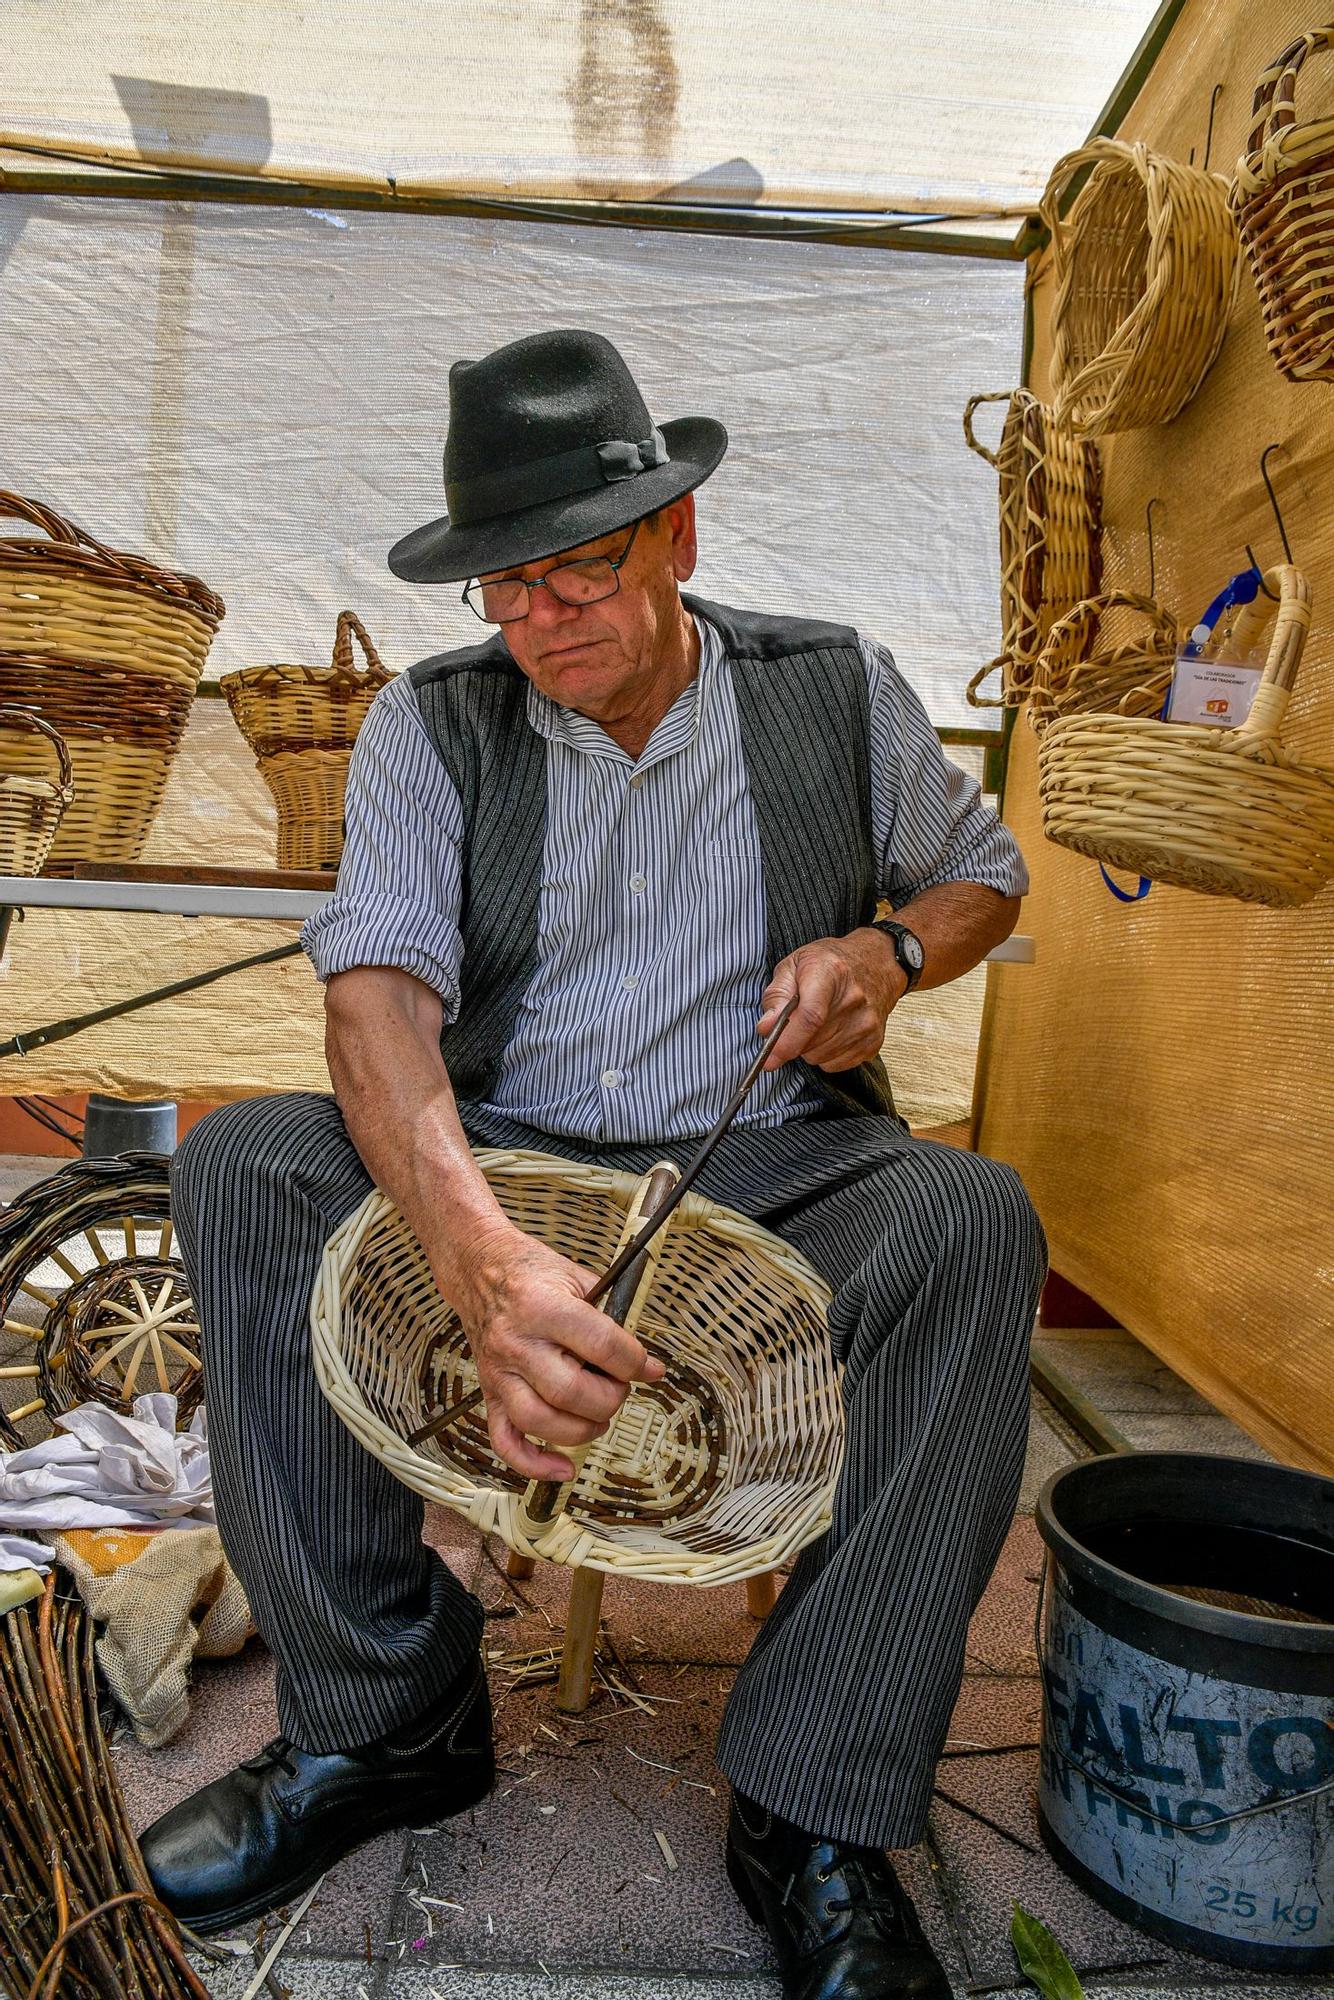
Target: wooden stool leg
581, 1630
520, 1567
761, 1594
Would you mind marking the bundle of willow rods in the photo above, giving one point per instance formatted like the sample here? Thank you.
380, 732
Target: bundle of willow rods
77, 1915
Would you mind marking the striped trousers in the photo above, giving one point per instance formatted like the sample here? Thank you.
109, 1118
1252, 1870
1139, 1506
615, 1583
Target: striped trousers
935, 1259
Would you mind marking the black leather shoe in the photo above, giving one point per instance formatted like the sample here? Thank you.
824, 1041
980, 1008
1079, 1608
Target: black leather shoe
265, 1832
840, 1922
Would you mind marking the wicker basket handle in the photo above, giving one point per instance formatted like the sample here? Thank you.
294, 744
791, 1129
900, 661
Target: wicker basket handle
994, 396
1274, 106
1096, 153
1292, 621
343, 662
53, 524
1079, 627
545, 1499
27, 719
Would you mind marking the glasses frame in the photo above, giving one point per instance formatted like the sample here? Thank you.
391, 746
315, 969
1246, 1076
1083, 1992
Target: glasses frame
537, 583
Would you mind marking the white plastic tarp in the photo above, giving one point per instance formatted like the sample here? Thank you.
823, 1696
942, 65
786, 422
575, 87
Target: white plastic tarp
960, 105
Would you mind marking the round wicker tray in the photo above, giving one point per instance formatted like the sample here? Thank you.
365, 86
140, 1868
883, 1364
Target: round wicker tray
720, 1472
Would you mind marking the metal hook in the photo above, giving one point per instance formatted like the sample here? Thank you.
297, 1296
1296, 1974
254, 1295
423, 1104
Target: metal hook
1255, 565
1209, 136
1273, 498
1148, 529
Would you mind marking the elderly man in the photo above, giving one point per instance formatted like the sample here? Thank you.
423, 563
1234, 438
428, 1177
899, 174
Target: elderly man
587, 862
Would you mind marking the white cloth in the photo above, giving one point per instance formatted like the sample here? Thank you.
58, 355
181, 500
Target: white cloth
17, 1552
105, 1470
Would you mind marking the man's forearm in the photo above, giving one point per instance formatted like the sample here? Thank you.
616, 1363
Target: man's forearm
382, 1044
958, 923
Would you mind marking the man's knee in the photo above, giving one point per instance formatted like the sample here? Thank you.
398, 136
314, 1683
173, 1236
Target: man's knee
239, 1143
987, 1212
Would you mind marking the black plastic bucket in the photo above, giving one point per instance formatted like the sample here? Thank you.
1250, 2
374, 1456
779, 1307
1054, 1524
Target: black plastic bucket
1187, 1658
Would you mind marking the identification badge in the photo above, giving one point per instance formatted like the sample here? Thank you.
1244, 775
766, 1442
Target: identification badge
1215, 692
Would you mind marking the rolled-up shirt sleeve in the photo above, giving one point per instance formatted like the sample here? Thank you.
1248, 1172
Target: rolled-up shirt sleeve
929, 821
397, 898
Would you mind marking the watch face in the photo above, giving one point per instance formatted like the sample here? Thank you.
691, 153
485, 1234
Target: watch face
910, 947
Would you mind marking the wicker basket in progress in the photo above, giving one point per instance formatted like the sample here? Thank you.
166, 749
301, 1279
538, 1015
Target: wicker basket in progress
108, 648
30, 808
1111, 654
719, 1472
1050, 509
1223, 811
1283, 198
1145, 271
302, 722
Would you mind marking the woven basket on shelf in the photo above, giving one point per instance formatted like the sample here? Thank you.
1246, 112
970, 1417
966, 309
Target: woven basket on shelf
1050, 508
108, 648
1111, 654
719, 1472
1223, 811
1145, 273
30, 808
1283, 198
302, 722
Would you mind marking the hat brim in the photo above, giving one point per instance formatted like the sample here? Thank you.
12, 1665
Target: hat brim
439, 553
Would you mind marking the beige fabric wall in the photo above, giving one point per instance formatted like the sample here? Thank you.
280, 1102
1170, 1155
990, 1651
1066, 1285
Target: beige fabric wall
1163, 1078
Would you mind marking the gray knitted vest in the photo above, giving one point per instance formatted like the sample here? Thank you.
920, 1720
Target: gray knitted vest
805, 729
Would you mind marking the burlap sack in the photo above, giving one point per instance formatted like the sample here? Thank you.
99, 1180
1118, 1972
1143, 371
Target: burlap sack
161, 1599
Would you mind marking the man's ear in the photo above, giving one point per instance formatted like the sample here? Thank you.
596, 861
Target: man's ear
680, 519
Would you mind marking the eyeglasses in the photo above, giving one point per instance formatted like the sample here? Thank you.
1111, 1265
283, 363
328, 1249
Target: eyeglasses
582, 582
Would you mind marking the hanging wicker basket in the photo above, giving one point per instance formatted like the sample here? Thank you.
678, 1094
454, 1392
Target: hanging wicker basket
108, 648
1145, 272
302, 722
1050, 511
30, 808
1223, 811
719, 1472
1283, 199
1111, 654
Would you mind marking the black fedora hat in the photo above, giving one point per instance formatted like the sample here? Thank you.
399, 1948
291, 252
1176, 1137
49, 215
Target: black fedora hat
550, 444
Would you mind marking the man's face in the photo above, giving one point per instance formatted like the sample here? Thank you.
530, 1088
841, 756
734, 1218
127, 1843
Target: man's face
603, 658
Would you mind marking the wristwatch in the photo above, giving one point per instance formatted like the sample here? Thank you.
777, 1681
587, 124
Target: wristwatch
907, 948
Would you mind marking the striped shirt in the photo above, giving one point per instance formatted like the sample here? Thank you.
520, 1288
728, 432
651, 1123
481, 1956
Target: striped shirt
652, 945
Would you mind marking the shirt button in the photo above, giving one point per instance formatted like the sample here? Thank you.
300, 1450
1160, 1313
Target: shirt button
611, 1078
636, 782
639, 883
630, 981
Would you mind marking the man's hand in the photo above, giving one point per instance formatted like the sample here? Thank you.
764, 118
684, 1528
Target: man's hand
848, 986
550, 1365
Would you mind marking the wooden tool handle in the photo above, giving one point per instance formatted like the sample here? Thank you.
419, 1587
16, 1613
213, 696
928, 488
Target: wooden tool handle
545, 1498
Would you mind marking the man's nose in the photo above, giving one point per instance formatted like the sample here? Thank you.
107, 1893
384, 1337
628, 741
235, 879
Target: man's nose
546, 610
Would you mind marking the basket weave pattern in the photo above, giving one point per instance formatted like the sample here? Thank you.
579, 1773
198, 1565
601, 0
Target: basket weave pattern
721, 1471
1223, 811
1145, 271
1283, 198
1050, 510
1096, 660
30, 808
108, 648
302, 722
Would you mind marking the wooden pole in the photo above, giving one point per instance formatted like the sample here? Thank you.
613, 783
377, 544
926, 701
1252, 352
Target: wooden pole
761, 1594
582, 1619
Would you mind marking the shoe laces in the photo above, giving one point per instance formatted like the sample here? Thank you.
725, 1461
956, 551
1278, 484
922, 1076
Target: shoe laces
278, 1751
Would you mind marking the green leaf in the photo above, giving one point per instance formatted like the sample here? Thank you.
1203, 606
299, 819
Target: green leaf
1042, 1958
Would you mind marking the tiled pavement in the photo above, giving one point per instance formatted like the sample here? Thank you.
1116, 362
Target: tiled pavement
559, 1887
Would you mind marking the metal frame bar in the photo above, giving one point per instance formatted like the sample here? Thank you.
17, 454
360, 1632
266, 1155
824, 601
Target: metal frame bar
882, 231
